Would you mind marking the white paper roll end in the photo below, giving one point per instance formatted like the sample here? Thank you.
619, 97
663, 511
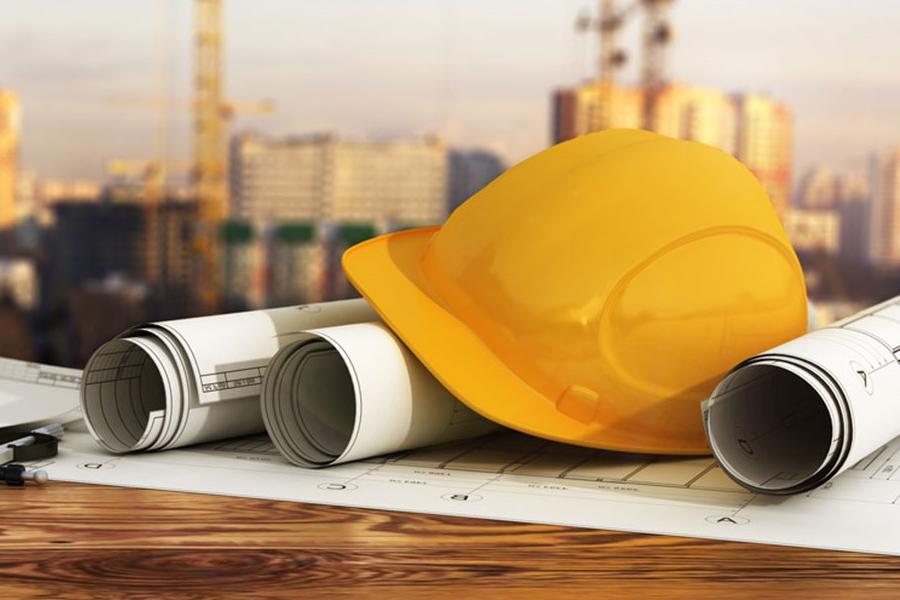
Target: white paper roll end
774, 427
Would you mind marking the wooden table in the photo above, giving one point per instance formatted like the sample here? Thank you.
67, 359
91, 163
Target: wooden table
67, 540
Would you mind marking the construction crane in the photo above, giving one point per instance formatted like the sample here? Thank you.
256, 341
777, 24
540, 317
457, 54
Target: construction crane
208, 172
656, 36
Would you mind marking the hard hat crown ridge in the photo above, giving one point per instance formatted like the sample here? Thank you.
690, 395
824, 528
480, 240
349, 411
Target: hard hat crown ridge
595, 292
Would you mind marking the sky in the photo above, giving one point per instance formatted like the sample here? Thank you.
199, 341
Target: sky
477, 72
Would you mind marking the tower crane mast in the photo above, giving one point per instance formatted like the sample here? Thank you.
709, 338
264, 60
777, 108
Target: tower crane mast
209, 181
657, 36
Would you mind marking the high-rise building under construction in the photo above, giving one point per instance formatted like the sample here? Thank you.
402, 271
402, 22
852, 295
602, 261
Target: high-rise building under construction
754, 128
9, 158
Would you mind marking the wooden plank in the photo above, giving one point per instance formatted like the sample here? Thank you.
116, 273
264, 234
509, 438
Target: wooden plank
71, 541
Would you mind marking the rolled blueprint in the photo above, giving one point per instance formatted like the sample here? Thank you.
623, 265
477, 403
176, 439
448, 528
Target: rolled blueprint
175, 383
788, 420
344, 393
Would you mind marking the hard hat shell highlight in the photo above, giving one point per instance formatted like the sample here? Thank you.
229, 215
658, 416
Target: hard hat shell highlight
596, 292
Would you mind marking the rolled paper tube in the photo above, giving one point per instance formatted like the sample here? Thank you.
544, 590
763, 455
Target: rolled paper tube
790, 419
350, 392
175, 383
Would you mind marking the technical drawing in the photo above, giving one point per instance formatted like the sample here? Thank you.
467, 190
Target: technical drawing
37, 374
509, 476
517, 454
254, 444
22, 382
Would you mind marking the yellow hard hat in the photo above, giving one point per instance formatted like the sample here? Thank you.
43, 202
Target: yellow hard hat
595, 293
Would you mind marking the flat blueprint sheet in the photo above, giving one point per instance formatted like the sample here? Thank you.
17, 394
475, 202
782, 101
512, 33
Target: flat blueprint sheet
517, 478
33, 393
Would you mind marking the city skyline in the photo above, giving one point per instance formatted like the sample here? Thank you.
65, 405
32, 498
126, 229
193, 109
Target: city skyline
473, 75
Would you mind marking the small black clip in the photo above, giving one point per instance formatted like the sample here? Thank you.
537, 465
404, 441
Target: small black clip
44, 445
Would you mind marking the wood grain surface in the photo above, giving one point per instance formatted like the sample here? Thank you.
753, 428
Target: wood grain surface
78, 541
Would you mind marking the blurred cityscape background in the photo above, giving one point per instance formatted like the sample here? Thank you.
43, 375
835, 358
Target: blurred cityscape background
135, 187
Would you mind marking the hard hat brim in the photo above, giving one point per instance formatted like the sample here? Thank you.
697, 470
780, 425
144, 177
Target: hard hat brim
386, 270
